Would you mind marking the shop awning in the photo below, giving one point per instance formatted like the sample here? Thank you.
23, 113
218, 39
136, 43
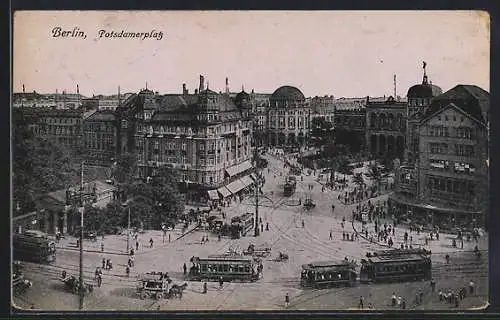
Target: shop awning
247, 181
213, 195
239, 168
224, 192
235, 186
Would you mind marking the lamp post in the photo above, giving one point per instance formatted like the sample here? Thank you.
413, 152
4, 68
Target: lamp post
82, 209
257, 182
128, 226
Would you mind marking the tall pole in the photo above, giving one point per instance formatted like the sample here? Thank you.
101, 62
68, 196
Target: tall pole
81, 240
257, 184
128, 231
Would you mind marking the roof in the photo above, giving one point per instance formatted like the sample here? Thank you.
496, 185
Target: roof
287, 93
242, 96
102, 116
424, 91
396, 258
471, 99
330, 265
236, 258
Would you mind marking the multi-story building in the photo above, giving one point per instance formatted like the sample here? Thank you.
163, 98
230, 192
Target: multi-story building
323, 107
289, 117
448, 185
386, 127
61, 127
205, 136
100, 137
350, 124
419, 98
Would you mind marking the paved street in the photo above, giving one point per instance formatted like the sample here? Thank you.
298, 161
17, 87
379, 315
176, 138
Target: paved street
285, 234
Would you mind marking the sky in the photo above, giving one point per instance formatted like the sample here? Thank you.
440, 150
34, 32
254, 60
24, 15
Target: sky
340, 53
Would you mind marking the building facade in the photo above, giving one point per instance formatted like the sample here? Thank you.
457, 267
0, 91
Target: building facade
205, 136
386, 128
449, 184
100, 138
289, 118
323, 107
350, 126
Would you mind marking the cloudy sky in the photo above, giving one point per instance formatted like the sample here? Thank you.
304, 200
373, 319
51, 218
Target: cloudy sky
345, 54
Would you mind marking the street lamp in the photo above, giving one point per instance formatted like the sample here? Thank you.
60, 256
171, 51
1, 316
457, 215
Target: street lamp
257, 182
128, 225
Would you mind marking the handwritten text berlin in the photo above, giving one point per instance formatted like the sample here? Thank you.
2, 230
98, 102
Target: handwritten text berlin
76, 32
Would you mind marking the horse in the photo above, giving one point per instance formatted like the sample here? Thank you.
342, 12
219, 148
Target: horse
176, 290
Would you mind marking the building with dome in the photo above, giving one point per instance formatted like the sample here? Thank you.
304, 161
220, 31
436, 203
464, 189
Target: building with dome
447, 184
289, 117
205, 136
419, 98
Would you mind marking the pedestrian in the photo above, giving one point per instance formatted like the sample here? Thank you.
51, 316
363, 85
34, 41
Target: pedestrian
96, 273
184, 268
433, 285
267, 226
447, 257
99, 280
440, 294
393, 299
136, 245
261, 228
421, 295
471, 287
204, 287
361, 302
169, 237
127, 271
221, 282
403, 304
102, 246
303, 225
287, 300
331, 235
104, 263
110, 264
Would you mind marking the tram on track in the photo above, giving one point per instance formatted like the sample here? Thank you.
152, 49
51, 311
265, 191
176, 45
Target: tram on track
242, 225
33, 246
397, 265
328, 274
290, 186
229, 267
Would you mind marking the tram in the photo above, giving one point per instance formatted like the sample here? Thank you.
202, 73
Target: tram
328, 274
397, 265
33, 246
242, 225
229, 267
290, 186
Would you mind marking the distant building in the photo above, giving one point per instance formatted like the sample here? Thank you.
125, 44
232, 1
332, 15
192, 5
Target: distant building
100, 137
323, 107
386, 128
350, 123
448, 184
289, 118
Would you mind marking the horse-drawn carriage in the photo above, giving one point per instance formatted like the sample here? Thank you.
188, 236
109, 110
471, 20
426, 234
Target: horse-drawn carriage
262, 251
19, 283
72, 283
309, 204
158, 285
282, 257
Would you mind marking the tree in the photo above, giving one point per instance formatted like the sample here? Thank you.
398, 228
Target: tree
39, 167
321, 130
124, 168
358, 179
375, 174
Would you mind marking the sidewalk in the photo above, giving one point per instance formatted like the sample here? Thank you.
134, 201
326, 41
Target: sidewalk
117, 244
444, 244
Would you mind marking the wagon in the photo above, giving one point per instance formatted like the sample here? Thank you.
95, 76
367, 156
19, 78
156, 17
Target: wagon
282, 257
72, 283
153, 285
309, 204
262, 251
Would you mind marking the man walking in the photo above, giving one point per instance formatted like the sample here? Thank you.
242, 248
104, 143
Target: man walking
287, 300
361, 302
331, 235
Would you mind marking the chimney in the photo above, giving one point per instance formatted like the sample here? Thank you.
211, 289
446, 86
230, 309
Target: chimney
77, 89
23, 89
227, 85
184, 90
202, 84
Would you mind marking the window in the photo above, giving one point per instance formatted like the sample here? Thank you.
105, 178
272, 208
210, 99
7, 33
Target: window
438, 148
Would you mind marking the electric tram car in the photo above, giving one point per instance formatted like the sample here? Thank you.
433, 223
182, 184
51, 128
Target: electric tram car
229, 267
33, 246
327, 274
397, 265
290, 186
242, 225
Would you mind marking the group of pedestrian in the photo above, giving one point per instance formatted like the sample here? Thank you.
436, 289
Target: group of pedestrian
398, 301
204, 239
107, 264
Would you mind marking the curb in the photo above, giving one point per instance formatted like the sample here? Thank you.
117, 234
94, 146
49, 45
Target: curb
188, 232
362, 236
93, 251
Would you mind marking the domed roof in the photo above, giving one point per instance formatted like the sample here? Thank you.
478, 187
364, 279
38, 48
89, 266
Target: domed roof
424, 91
288, 93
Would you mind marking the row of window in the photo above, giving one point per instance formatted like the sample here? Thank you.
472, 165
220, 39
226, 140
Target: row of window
460, 149
457, 167
62, 120
443, 131
451, 185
